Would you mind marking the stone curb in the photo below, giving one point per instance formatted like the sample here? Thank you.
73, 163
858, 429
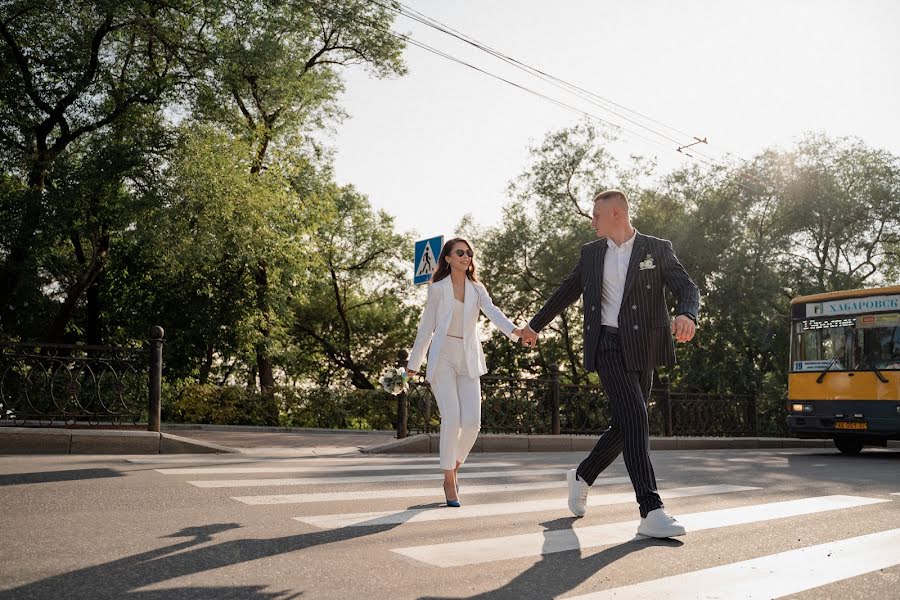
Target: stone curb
175, 444
27, 440
427, 443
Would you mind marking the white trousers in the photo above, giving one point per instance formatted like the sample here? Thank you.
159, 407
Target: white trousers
459, 400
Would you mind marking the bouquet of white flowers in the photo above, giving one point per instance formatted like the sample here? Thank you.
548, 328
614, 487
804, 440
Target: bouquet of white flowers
394, 381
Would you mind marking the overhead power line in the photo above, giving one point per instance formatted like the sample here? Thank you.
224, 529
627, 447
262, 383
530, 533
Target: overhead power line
560, 83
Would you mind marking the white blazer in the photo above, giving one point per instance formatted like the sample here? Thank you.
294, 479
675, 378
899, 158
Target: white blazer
436, 320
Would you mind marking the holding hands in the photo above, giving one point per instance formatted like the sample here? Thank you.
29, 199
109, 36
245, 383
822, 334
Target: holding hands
527, 337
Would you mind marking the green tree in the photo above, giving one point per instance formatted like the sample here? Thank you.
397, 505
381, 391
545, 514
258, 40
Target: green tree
729, 248
190, 265
69, 70
277, 82
840, 201
93, 192
353, 318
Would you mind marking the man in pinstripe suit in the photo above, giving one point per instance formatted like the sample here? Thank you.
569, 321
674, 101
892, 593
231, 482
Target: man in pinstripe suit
627, 334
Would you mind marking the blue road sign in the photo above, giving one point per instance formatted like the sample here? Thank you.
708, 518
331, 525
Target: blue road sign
426, 261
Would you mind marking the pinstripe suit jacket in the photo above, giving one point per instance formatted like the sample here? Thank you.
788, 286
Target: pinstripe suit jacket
644, 325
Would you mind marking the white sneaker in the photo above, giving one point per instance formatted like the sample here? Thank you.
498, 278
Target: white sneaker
660, 524
578, 492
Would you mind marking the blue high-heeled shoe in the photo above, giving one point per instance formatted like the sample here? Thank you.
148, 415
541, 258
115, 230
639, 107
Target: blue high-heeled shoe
452, 503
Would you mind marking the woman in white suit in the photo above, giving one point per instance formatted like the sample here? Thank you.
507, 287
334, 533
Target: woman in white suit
455, 357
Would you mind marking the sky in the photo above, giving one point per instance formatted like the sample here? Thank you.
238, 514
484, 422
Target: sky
444, 141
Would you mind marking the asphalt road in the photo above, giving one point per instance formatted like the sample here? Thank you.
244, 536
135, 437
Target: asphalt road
761, 524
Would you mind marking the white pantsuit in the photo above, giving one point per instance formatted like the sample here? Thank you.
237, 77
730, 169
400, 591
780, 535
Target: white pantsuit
455, 365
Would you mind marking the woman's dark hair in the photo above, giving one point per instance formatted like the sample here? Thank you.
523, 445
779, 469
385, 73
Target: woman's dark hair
443, 269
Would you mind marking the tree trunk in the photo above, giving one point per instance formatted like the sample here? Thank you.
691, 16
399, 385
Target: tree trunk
58, 327
20, 250
251, 379
206, 367
263, 358
94, 313
266, 372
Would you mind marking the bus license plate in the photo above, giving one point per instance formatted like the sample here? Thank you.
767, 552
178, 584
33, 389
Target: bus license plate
851, 425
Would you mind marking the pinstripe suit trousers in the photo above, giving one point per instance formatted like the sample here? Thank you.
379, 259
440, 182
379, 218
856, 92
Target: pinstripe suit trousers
629, 434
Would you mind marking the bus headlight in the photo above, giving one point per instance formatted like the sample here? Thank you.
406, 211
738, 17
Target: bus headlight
802, 408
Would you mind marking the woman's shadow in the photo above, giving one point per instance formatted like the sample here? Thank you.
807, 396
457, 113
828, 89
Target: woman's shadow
560, 572
121, 578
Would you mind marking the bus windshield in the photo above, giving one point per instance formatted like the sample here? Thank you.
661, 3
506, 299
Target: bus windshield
878, 342
862, 342
818, 342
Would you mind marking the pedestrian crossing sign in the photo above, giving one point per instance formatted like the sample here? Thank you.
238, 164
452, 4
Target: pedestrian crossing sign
426, 259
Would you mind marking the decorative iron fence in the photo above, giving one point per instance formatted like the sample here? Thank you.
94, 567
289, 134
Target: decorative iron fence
508, 405
547, 406
64, 384
713, 414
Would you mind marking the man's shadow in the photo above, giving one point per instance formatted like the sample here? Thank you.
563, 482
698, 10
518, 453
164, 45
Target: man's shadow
121, 578
560, 572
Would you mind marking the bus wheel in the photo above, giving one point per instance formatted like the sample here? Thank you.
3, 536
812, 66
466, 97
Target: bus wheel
849, 445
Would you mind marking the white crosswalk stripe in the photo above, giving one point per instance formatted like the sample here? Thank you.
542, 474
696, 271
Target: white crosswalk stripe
772, 576
222, 483
309, 469
373, 494
472, 552
499, 509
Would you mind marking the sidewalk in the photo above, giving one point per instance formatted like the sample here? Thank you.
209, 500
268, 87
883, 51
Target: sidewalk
427, 443
189, 439
60, 440
295, 441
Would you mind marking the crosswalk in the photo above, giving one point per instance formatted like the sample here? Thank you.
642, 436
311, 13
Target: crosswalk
773, 576
301, 469
236, 483
505, 508
524, 497
381, 494
456, 554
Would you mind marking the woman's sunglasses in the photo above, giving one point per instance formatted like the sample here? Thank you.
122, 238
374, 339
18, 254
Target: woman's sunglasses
462, 253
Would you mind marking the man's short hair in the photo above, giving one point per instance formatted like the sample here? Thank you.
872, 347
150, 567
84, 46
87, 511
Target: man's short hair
611, 195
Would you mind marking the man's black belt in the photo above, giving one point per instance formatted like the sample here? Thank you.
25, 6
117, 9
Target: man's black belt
610, 330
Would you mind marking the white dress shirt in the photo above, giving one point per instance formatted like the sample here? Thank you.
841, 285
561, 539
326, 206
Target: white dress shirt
615, 268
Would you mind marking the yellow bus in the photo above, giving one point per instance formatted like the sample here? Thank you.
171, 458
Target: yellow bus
844, 378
